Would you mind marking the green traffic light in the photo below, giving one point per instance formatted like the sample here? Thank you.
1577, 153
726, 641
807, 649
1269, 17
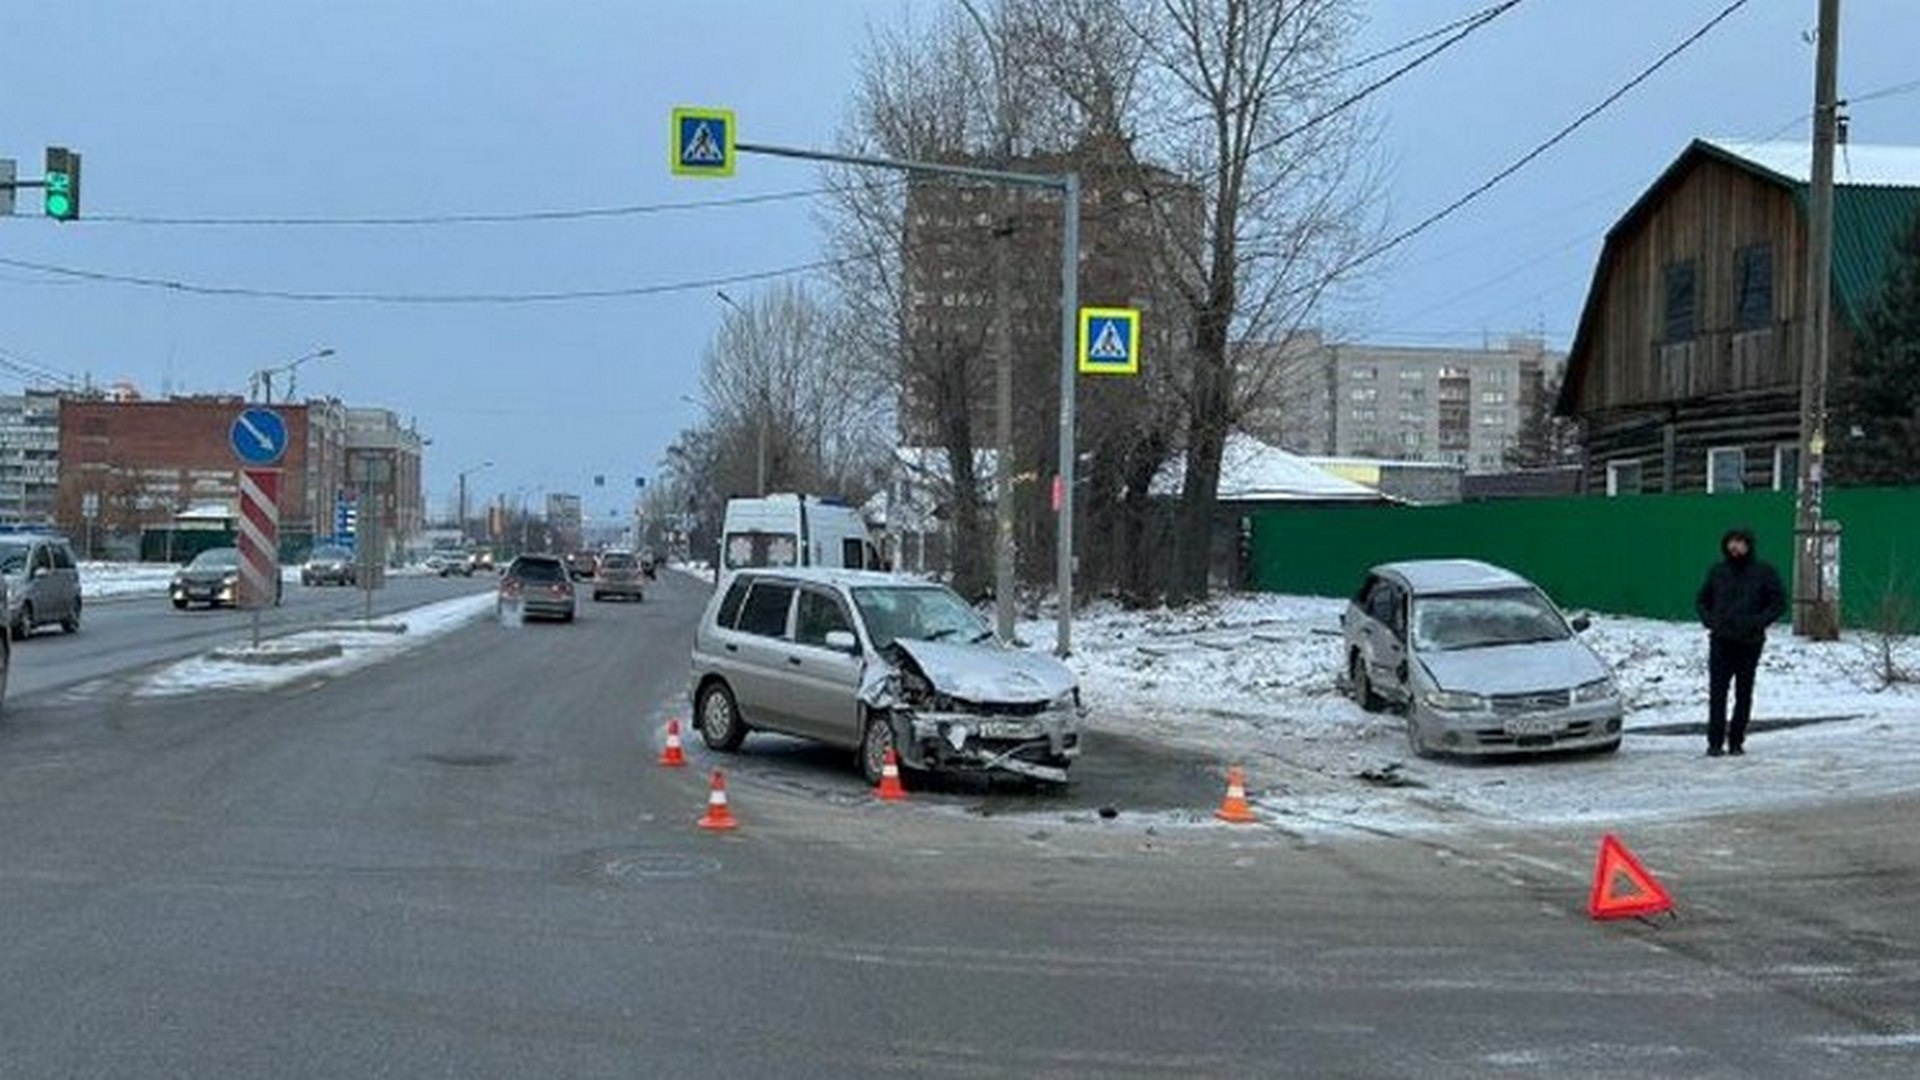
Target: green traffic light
59, 200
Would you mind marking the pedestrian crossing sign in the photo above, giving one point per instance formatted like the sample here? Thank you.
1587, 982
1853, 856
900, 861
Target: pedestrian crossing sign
702, 142
1109, 341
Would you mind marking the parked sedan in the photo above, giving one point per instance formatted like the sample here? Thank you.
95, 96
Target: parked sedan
536, 587
328, 565
872, 662
213, 579
1478, 660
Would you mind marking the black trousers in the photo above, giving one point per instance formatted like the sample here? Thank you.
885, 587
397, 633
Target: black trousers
1730, 662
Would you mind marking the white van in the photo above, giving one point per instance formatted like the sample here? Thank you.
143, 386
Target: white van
796, 530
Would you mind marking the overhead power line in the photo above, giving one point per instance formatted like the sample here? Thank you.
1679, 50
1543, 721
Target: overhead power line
492, 218
372, 297
1552, 141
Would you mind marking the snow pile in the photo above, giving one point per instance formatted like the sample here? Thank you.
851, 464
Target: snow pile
1254, 680
359, 646
101, 580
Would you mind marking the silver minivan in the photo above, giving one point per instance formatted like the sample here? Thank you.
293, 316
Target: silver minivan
871, 662
43, 584
1478, 660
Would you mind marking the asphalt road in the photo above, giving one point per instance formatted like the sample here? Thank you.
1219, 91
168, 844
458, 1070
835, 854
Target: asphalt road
465, 862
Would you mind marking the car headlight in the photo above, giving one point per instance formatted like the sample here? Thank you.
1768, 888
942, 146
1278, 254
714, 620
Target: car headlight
1067, 701
1453, 701
1597, 690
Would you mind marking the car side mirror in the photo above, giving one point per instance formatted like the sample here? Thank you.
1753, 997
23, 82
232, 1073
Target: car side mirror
1580, 623
843, 641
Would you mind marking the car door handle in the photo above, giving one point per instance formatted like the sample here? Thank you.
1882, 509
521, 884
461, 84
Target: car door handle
732, 648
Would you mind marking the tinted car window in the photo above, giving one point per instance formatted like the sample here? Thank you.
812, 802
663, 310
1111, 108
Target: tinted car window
62, 558
617, 562
1383, 603
13, 558
765, 612
539, 570
215, 558
730, 605
820, 614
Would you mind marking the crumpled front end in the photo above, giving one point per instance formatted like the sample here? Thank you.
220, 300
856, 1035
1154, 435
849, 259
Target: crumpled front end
934, 731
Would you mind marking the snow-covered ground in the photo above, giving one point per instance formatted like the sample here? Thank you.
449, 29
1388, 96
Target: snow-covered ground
108, 580
1253, 680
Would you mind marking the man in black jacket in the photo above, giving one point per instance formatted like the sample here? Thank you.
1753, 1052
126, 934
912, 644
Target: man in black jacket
1742, 596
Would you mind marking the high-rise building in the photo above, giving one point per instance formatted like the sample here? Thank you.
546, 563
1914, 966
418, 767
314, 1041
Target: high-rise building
29, 456
1454, 406
383, 475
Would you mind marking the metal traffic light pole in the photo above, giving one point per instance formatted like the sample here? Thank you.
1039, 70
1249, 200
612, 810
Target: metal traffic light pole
1068, 184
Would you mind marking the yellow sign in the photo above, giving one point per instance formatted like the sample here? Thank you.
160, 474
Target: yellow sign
702, 142
1109, 341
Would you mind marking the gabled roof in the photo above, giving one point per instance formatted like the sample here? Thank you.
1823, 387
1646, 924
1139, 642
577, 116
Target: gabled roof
1876, 195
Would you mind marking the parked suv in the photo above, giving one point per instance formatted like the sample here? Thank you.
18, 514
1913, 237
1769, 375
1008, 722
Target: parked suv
43, 584
1478, 660
871, 662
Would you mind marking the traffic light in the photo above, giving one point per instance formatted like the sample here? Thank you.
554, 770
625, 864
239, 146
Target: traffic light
63, 184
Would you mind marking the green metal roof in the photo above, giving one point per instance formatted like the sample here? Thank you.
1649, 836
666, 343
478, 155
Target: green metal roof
1867, 223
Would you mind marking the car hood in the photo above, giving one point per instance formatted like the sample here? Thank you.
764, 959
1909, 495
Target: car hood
1515, 669
986, 674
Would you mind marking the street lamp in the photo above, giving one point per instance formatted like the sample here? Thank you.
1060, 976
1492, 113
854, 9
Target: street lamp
760, 455
463, 493
261, 382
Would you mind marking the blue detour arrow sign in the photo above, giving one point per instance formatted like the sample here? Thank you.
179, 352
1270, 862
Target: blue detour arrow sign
258, 436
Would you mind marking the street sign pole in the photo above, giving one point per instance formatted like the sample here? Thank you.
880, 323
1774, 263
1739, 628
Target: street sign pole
687, 162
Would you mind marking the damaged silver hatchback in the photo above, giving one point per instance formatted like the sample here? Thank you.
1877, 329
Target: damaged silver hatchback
871, 661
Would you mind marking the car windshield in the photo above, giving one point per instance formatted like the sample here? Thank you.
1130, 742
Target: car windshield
329, 554
539, 570
215, 559
617, 562
917, 613
13, 558
1480, 619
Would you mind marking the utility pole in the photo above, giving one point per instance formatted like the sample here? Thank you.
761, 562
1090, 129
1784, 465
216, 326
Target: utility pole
1816, 601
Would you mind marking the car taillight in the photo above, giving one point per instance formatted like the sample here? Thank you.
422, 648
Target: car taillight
510, 587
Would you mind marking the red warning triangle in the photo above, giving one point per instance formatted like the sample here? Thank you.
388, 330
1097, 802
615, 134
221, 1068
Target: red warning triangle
1622, 888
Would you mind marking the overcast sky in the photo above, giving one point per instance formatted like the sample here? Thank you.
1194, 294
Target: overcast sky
376, 108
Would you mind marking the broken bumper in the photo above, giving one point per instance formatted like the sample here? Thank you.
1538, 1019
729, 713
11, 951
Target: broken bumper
1040, 746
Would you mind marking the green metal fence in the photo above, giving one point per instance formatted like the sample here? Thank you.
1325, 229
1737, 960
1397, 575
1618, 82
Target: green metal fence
1639, 555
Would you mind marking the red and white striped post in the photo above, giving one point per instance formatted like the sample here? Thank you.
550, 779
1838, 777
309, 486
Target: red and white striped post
259, 528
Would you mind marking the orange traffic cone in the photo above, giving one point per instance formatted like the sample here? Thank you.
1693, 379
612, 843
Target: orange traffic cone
890, 789
718, 816
1234, 807
672, 755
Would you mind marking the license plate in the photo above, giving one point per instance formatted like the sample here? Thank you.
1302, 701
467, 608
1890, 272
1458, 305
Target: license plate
1006, 729
1532, 725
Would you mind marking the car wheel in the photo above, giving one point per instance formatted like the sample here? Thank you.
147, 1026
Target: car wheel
179, 605
1361, 685
23, 623
875, 741
71, 624
720, 723
599, 596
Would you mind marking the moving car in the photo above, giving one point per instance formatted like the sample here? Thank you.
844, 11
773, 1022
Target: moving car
213, 579
872, 662
1479, 661
43, 584
450, 561
536, 587
620, 574
582, 565
328, 565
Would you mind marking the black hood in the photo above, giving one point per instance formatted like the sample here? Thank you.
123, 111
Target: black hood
1740, 532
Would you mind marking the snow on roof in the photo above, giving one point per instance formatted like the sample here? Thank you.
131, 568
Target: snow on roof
1253, 471
1453, 575
1866, 165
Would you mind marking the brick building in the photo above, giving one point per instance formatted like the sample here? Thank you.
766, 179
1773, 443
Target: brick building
380, 449
146, 461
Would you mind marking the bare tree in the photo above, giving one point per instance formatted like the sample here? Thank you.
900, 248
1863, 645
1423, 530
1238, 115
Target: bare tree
1242, 100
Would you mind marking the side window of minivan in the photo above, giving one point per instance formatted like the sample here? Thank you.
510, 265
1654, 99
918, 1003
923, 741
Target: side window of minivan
42, 557
765, 612
729, 611
62, 558
1383, 603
